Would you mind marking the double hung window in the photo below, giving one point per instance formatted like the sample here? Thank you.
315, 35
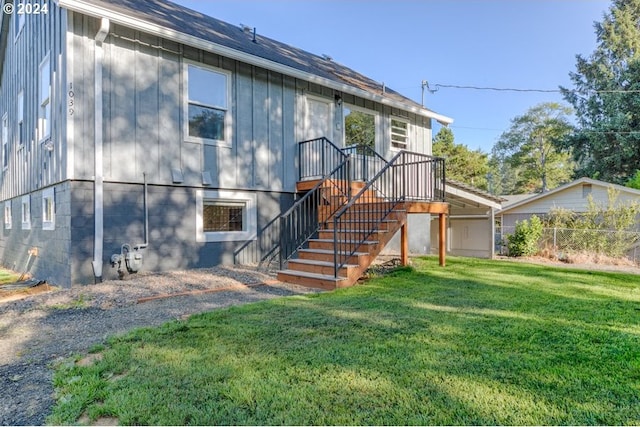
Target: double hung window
207, 106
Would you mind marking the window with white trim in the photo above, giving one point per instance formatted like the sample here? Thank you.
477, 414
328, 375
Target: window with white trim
207, 105
8, 219
359, 127
20, 117
5, 141
19, 20
223, 216
48, 209
399, 134
26, 212
44, 96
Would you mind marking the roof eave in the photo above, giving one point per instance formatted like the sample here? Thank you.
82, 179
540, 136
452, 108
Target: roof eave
83, 7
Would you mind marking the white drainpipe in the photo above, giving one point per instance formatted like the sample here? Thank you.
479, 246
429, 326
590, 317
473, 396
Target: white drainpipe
98, 193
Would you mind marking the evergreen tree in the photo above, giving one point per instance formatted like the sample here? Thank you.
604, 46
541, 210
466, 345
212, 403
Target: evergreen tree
606, 98
461, 163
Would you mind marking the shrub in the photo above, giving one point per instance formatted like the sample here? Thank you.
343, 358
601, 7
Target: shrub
524, 240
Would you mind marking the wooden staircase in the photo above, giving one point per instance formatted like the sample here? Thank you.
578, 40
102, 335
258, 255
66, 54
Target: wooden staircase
315, 265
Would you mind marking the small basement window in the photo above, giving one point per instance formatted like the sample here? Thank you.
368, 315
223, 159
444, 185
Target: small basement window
399, 134
26, 212
8, 220
48, 209
225, 216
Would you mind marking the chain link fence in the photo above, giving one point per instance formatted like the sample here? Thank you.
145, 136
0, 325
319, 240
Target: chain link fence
562, 243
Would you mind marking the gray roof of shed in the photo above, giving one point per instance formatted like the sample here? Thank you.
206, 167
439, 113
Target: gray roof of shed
180, 19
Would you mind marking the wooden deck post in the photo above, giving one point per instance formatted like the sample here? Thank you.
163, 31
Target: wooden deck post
442, 237
404, 244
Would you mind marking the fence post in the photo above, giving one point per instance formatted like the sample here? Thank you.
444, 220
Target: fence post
555, 242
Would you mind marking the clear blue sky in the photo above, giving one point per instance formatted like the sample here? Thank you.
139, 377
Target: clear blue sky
528, 44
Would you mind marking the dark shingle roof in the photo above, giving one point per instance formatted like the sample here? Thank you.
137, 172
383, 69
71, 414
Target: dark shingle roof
180, 19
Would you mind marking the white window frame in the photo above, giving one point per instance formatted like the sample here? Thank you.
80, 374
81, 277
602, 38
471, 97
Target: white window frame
376, 123
26, 212
44, 102
20, 20
49, 216
228, 119
250, 215
391, 133
5, 141
20, 120
8, 217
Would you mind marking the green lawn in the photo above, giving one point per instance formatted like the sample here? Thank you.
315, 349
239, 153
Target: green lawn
477, 342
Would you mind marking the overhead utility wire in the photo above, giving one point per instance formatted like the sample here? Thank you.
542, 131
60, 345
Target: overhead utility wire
437, 86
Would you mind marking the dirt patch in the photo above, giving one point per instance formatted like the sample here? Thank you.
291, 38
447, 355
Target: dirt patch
101, 421
583, 263
15, 295
90, 359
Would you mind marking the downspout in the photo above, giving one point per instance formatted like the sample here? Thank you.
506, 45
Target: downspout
98, 191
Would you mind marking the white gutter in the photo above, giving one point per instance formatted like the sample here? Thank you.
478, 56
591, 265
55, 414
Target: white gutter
156, 30
98, 193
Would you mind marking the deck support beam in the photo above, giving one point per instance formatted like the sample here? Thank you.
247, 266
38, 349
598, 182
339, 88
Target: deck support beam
442, 237
404, 244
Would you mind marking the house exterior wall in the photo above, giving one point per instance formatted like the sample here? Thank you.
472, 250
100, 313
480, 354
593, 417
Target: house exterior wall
35, 164
574, 198
52, 259
172, 232
143, 99
30, 166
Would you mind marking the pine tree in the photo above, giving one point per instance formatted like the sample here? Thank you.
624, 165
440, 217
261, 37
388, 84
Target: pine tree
606, 98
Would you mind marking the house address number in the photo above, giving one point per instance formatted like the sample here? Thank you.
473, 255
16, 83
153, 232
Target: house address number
71, 103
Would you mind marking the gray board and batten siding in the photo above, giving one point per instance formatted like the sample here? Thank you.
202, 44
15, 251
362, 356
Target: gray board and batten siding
32, 169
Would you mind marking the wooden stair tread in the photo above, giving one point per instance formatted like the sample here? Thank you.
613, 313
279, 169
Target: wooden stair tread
366, 242
326, 251
316, 262
311, 275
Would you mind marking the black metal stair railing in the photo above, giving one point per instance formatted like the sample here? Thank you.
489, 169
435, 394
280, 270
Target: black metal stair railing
320, 159
305, 218
406, 177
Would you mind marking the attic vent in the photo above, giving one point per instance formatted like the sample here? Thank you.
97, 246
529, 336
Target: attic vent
326, 57
586, 190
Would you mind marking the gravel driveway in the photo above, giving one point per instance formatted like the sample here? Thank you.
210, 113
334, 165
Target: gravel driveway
37, 331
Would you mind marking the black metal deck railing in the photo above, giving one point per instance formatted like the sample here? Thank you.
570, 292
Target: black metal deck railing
407, 177
365, 163
318, 157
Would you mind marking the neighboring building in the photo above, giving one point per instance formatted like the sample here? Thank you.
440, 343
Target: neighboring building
573, 196
471, 221
135, 122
